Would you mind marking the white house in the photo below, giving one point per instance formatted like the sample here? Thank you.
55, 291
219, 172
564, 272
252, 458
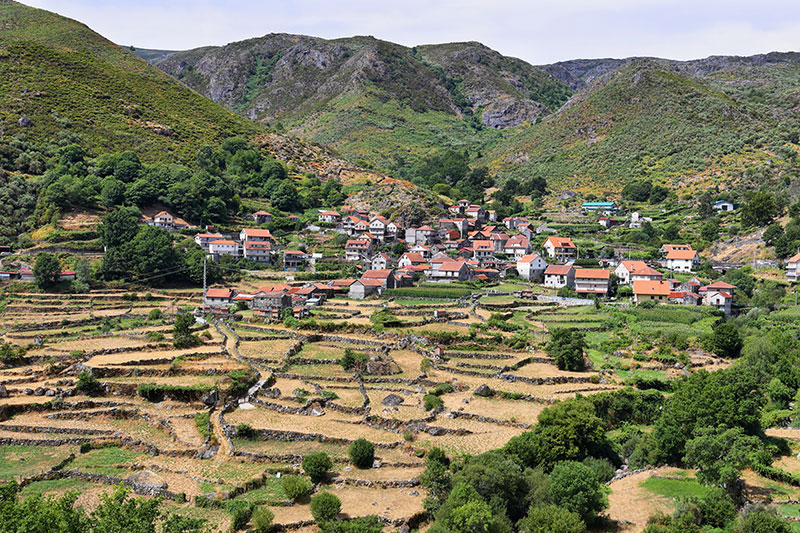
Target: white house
205, 239
517, 247
560, 248
482, 250
357, 249
592, 281
725, 206
377, 226
331, 217
164, 220
557, 276
630, 271
381, 261
449, 271
791, 267
257, 251
531, 266
681, 260
222, 247
256, 235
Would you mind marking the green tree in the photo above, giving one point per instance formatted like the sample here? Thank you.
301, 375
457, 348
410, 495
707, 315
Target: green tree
762, 520
726, 340
46, 270
551, 519
119, 227
295, 487
719, 454
118, 513
575, 487
772, 233
316, 465
569, 430
285, 197
325, 506
182, 336
153, 255
113, 192
730, 398
262, 519
760, 210
566, 346
362, 453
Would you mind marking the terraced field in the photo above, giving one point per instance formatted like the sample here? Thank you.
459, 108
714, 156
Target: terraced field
226, 419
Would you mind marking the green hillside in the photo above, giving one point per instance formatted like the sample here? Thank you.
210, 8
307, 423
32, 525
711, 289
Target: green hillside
373, 101
72, 83
645, 121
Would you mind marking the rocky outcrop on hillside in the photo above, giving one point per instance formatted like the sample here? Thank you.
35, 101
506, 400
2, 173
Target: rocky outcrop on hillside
284, 77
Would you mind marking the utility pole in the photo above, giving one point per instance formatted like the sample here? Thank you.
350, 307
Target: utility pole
205, 258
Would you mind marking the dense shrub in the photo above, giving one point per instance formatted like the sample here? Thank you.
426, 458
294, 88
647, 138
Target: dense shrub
316, 465
262, 519
566, 346
245, 431
431, 401
88, 384
240, 511
575, 487
295, 487
325, 506
362, 453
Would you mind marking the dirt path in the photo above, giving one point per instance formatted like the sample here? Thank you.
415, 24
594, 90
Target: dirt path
224, 451
629, 502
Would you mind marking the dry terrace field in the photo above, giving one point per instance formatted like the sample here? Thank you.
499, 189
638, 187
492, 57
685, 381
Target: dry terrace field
253, 398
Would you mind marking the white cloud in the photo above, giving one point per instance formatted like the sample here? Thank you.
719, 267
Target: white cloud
536, 31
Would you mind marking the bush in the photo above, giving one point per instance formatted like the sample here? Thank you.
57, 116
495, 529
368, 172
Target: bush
246, 431
295, 487
362, 453
241, 512
575, 487
262, 519
431, 401
155, 336
566, 346
154, 314
551, 519
88, 384
316, 465
362, 524
352, 359
325, 506
203, 422
442, 388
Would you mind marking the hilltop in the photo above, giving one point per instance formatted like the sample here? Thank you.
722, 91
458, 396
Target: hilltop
577, 122
684, 124
374, 101
71, 82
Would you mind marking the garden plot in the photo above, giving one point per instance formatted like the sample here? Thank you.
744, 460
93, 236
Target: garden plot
332, 424
17, 462
361, 501
272, 349
132, 358
497, 407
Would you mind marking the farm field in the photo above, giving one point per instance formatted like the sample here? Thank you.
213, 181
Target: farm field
228, 418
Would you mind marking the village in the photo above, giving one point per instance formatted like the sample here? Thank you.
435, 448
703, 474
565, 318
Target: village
470, 245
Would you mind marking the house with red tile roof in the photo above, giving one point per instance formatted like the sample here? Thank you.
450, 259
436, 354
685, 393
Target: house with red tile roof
592, 281
560, 248
558, 276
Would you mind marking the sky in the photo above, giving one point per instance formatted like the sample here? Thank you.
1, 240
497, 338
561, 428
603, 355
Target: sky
537, 31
